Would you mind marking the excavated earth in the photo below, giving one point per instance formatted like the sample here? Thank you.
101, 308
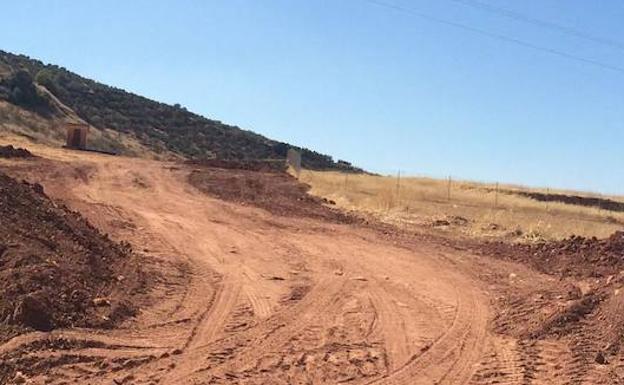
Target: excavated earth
11, 152
58, 271
251, 281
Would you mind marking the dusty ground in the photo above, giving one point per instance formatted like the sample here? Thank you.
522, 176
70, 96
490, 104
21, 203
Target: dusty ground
250, 296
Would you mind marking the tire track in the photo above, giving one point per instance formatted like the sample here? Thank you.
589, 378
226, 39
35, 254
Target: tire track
449, 359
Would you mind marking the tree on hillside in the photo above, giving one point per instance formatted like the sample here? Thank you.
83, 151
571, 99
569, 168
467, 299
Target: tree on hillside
46, 78
19, 89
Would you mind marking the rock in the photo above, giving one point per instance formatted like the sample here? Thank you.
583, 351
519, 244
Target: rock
34, 313
600, 359
573, 292
20, 378
100, 302
38, 189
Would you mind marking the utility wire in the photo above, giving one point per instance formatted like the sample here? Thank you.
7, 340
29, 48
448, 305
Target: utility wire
540, 23
494, 35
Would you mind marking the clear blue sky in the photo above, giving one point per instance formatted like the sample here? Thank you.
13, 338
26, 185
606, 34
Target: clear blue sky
382, 88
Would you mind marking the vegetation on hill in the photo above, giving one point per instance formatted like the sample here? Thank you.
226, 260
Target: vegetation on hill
19, 88
159, 126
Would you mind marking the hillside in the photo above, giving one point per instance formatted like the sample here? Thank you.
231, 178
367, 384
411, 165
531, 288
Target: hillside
122, 116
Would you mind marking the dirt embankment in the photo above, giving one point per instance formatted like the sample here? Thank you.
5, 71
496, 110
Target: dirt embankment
601, 203
578, 317
266, 187
573, 257
13, 152
57, 269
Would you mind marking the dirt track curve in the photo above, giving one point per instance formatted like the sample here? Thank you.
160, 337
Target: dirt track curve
246, 297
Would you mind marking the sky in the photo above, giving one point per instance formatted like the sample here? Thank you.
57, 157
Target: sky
388, 85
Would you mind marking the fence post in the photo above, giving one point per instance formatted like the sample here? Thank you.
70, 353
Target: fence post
547, 197
398, 188
496, 196
448, 189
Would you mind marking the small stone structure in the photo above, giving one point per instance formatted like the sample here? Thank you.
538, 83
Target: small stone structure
293, 159
77, 135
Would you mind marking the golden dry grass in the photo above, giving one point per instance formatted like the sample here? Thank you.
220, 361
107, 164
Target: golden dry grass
424, 203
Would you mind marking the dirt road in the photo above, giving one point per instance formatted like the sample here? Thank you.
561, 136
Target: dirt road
246, 297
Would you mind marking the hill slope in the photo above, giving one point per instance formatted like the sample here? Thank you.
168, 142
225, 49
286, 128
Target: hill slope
160, 127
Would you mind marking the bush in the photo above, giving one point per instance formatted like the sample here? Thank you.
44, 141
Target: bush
46, 78
22, 92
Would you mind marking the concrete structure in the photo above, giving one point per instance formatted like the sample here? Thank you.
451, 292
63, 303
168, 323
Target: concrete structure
293, 159
77, 135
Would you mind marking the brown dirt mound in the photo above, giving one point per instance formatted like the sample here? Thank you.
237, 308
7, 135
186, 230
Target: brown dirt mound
13, 152
575, 256
601, 203
277, 192
57, 269
249, 165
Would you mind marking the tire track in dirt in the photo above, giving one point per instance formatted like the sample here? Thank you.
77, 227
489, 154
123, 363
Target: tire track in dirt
450, 358
404, 336
272, 333
231, 320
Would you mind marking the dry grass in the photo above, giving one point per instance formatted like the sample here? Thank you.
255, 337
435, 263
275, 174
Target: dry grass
18, 123
474, 209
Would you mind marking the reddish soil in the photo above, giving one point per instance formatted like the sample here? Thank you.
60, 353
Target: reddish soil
273, 190
573, 257
580, 311
247, 165
262, 284
58, 270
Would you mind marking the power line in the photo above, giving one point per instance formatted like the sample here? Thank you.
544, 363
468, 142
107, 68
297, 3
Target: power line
494, 35
540, 23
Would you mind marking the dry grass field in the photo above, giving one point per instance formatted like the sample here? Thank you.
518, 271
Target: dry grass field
474, 209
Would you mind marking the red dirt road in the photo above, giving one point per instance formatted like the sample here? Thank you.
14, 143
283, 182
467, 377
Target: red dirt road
247, 297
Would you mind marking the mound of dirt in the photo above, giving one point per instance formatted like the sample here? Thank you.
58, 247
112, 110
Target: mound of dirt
272, 190
249, 165
601, 203
56, 269
575, 256
12, 152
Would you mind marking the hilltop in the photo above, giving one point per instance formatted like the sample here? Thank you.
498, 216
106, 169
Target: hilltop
36, 98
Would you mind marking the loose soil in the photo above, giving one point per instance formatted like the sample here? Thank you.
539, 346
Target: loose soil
263, 185
573, 257
54, 266
601, 203
259, 284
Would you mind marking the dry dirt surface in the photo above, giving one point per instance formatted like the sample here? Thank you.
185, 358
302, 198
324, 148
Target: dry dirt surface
254, 292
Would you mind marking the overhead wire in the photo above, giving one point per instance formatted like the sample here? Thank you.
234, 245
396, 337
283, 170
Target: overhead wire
540, 22
497, 36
